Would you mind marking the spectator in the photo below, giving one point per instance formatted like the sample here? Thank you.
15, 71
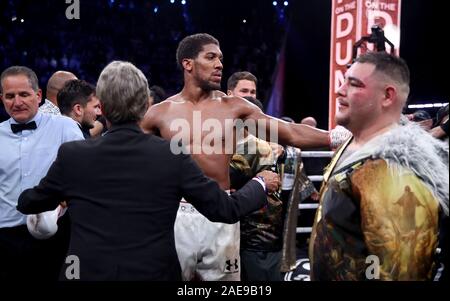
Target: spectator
77, 100
311, 121
157, 94
55, 83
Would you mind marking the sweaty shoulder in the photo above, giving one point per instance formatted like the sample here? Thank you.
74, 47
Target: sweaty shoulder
239, 104
156, 114
153, 116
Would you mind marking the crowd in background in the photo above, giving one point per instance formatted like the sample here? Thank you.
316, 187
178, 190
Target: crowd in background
110, 30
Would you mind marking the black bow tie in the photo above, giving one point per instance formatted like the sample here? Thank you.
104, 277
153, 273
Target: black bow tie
15, 128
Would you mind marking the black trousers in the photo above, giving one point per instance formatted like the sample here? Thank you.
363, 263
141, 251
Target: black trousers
260, 265
23, 257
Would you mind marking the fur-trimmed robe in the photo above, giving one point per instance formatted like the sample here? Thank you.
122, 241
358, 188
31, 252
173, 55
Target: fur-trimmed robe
379, 210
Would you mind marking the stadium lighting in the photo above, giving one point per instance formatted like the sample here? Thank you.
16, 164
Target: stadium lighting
427, 106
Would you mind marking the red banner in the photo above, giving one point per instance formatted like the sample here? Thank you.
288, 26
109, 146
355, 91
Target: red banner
352, 20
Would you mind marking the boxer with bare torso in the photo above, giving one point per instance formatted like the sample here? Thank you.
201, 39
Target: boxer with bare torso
202, 119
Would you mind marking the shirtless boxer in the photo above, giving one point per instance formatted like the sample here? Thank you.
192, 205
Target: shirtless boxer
211, 250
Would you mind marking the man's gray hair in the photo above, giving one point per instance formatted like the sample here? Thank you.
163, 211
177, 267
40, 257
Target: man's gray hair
21, 70
123, 92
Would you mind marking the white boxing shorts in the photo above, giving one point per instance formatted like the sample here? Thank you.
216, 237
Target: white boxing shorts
207, 251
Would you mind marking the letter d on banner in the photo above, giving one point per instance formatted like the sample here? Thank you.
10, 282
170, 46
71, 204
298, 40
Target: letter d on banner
350, 21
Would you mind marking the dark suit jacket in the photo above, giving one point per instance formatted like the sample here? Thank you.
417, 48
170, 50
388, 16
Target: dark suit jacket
123, 193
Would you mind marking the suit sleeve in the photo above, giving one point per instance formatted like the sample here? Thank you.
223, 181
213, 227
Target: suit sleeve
399, 220
48, 193
214, 203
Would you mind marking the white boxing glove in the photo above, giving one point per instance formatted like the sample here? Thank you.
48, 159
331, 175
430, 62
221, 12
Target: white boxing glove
44, 225
338, 136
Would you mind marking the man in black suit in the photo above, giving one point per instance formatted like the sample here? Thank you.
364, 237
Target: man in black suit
124, 190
